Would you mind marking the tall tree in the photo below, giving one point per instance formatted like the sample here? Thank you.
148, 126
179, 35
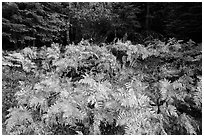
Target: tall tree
31, 24
126, 21
184, 20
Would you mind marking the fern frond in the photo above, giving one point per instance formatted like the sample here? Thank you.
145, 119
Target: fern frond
187, 123
31, 53
172, 111
89, 81
198, 94
38, 102
122, 118
95, 130
18, 116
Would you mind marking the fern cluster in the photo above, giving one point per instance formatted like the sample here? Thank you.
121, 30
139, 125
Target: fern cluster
84, 89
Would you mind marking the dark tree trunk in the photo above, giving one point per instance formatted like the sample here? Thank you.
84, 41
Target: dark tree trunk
147, 17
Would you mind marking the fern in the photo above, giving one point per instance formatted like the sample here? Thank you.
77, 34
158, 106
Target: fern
198, 94
19, 121
85, 87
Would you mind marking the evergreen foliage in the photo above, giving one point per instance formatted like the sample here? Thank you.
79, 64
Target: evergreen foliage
42, 23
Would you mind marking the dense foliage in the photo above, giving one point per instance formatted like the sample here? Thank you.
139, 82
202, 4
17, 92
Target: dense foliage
119, 88
42, 23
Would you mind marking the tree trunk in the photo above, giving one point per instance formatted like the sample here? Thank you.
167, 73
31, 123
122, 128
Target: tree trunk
67, 32
147, 17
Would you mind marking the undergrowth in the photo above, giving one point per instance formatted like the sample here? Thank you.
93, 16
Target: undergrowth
111, 89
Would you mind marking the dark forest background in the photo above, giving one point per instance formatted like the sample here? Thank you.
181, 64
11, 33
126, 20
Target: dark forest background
38, 24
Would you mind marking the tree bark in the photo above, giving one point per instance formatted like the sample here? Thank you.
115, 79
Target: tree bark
147, 17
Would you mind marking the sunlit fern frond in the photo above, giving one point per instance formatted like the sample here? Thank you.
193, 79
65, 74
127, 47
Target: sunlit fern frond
198, 94
188, 123
89, 81
18, 116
